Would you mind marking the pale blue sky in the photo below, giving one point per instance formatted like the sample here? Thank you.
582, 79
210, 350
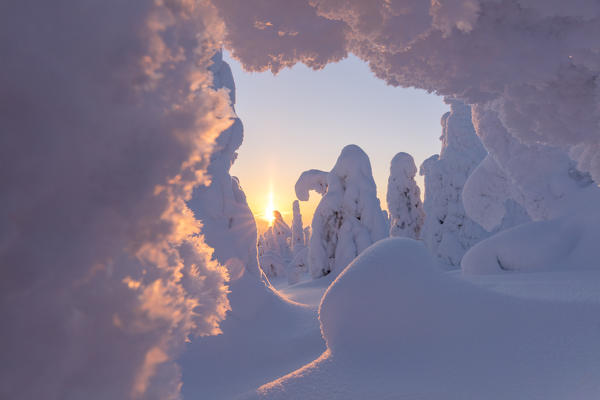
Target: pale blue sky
301, 119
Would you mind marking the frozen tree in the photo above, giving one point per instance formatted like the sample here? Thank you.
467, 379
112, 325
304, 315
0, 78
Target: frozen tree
299, 263
307, 235
227, 222
448, 232
348, 218
404, 198
276, 252
298, 242
229, 227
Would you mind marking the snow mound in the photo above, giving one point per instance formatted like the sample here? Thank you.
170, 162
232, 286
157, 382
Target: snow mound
565, 243
396, 327
352, 308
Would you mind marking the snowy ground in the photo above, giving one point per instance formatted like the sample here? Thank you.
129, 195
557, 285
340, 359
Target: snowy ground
397, 327
308, 292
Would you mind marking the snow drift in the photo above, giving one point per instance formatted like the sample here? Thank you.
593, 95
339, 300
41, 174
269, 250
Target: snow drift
566, 243
416, 332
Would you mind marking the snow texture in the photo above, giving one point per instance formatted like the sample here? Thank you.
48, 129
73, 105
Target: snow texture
299, 264
417, 332
275, 243
260, 323
565, 243
448, 232
348, 218
108, 120
543, 179
312, 179
535, 62
298, 243
404, 198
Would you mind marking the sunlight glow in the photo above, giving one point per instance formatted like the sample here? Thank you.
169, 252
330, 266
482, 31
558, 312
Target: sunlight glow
269, 215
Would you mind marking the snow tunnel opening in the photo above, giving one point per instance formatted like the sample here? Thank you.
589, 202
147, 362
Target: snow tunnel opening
301, 118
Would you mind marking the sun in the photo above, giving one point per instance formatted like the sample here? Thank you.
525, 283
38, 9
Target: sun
269, 215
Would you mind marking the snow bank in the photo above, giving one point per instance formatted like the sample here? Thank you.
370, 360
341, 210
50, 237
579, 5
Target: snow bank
348, 218
566, 243
397, 327
404, 198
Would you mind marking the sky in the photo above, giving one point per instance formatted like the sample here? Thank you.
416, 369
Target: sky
301, 119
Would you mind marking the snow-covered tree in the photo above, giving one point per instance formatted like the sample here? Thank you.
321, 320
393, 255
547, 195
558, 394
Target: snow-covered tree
348, 218
448, 232
299, 264
276, 252
307, 235
228, 224
404, 198
298, 242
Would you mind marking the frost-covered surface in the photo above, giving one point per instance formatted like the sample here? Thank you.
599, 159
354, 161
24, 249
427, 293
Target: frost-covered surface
488, 198
299, 264
261, 325
566, 243
404, 198
537, 60
106, 124
448, 232
543, 179
275, 243
434, 336
312, 179
298, 239
348, 218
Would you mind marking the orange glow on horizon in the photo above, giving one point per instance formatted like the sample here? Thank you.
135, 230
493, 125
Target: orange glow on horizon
269, 215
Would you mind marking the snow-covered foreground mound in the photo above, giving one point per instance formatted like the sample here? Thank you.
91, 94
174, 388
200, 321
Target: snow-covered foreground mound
398, 328
264, 337
564, 243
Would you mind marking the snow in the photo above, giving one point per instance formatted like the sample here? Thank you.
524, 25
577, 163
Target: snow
348, 218
298, 243
115, 112
107, 123
566, 243
448, 232
276, 253
488, 198
312, 179
437, 336
262, 327
404, 198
